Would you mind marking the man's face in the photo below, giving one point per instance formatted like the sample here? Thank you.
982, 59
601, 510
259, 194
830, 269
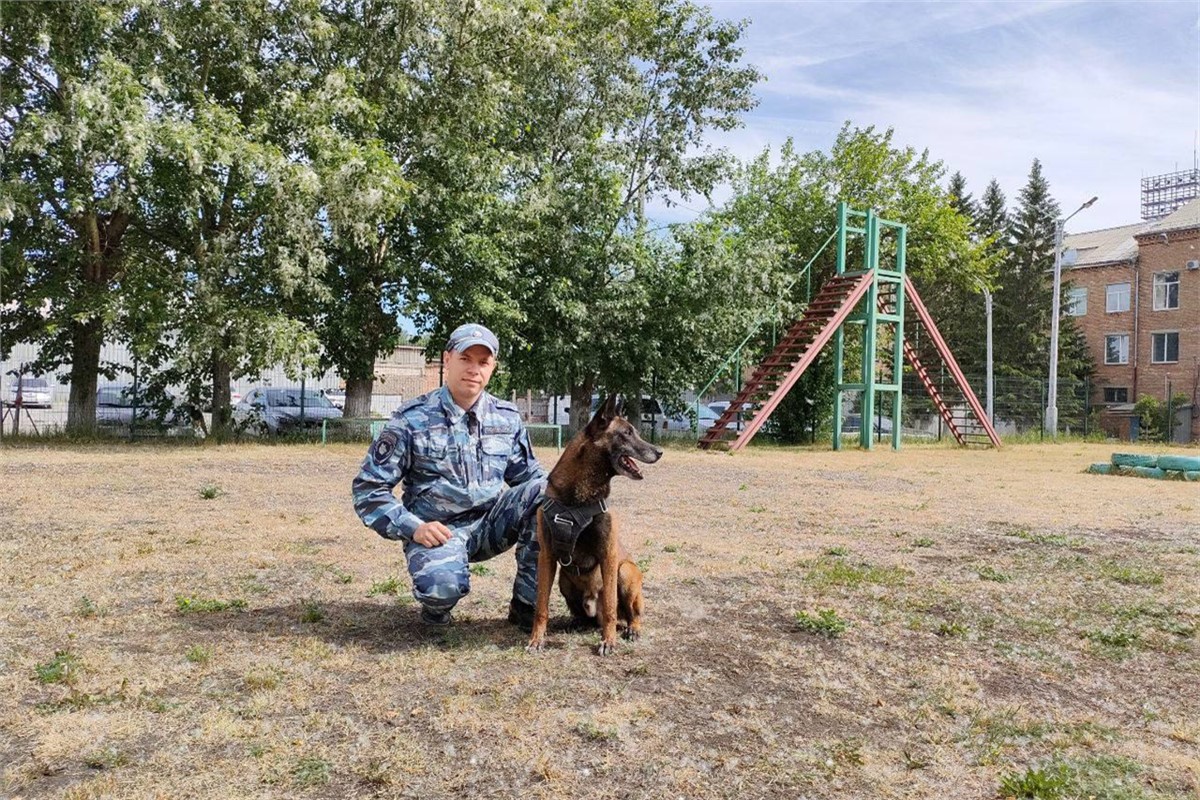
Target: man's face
467, 373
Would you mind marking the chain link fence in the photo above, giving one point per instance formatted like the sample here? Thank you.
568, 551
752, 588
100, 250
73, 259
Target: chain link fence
1019, 408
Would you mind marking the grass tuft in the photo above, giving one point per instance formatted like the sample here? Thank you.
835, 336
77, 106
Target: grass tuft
835, 572
199, 654
311, 611
391, 585
106, 758
990, 574
594, 733
63, 668
262, 679
1042, 783
824, 623
210, 491
86, 608
1131, 575
311, 771
1048, 539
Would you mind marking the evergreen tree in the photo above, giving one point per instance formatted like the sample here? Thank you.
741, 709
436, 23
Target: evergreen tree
1022, 311
960, 198
1023, 305
991, 216
959, 310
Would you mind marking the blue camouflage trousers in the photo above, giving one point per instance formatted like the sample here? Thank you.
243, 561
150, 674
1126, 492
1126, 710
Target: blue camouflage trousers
441, 576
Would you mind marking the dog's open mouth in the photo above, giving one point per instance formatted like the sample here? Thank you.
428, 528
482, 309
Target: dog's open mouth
630, 468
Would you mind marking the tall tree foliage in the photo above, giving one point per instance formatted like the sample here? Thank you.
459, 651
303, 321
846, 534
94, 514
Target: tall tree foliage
235, 219
414, 181
784, 211
149, 195
1024, 299
78, 123
614, 112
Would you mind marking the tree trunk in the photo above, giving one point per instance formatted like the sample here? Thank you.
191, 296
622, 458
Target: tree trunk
86, 339
358, 397
222, 414
581, 403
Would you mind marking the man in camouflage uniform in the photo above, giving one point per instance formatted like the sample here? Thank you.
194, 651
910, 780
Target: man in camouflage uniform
454, 449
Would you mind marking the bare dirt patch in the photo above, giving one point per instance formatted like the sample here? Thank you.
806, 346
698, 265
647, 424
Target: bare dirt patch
985, 613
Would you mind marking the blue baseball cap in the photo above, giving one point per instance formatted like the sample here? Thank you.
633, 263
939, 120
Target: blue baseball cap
471, 334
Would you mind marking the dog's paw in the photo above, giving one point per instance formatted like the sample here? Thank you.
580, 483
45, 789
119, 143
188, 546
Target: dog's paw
535, 645
607, 647
632, 635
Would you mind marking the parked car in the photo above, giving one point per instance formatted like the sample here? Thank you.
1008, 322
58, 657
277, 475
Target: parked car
114, 412
852, 423
718, 407
35, 392
335, 396
705, 419
278, 411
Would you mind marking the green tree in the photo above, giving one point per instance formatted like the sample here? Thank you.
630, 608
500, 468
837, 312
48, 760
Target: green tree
236, 218
1024, 303
415, 178
959, 197
784, 208
991, 217
79, 87
614, 106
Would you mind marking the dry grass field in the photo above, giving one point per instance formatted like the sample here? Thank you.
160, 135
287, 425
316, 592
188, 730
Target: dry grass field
214, 622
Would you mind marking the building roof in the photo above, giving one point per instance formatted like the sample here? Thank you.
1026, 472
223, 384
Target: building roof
1104, 246
1185, 217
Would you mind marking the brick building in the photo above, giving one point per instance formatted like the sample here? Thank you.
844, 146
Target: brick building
1135, 293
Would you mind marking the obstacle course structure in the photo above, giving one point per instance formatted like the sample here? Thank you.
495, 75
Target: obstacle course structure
874, 298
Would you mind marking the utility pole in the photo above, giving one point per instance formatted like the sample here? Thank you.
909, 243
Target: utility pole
1051, 422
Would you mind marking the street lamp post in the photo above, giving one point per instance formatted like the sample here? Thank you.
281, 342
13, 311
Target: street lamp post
1051, 425
991, 387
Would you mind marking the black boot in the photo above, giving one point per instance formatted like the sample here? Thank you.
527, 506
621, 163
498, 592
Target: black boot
520, 614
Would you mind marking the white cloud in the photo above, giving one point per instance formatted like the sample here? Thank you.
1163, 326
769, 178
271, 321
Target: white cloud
1101, 93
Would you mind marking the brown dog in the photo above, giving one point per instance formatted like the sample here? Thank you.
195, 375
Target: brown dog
575, 528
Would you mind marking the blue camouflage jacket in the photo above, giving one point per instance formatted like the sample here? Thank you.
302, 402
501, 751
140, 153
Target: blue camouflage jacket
453, 463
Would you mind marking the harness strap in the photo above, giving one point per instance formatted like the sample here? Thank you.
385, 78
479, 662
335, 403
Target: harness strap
566, 523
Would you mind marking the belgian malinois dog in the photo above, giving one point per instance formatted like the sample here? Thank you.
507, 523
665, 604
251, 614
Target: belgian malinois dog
599, 581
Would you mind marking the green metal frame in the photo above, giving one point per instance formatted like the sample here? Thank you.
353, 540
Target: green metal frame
870, 317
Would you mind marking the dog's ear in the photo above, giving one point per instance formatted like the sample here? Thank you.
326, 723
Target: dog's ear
605, 413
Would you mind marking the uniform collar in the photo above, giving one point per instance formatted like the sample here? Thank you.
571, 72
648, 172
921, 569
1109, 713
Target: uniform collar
454, 413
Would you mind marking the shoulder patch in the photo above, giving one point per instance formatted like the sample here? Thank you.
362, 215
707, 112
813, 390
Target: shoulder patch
384, 446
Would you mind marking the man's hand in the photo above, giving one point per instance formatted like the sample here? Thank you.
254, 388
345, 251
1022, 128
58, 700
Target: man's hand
431, 534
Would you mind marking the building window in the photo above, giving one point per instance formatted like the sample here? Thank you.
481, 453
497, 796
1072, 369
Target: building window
1116, 348
1116, 298
1076, 302
1164, 348
1166, 290
1116, 394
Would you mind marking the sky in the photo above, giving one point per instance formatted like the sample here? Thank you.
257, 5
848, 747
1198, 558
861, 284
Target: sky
1102, 93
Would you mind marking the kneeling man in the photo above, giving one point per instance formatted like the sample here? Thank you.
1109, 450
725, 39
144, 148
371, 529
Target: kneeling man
455, 450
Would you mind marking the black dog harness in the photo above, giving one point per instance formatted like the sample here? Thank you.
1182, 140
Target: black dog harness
566, 523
